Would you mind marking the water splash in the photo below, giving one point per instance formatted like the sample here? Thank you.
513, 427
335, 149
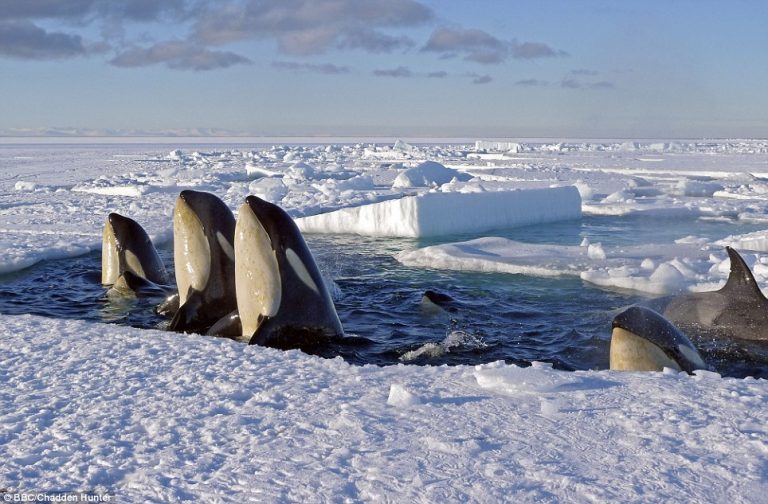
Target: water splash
455, 340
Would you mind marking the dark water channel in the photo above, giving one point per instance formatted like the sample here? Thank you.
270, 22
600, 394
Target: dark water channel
500, 316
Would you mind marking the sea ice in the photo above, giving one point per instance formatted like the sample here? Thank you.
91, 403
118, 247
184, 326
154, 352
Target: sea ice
438, 213
428, 174
653, 269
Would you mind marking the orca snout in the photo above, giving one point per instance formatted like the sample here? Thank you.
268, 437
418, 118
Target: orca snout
258, 206
643, 340
120, 223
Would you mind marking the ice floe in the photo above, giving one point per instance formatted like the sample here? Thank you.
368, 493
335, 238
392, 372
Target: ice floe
445, 213
654, 269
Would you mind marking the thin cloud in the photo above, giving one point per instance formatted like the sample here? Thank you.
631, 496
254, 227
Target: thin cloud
375, 42
602, 85
137, 10
399, 72
40, 9
25, 40
147, 10
532, 83
482, 79
299, 27
570, 83
534, 50
322, 68
585, 72
178, 55
476, 45
482, 47
437, 75
22, 36
303, 27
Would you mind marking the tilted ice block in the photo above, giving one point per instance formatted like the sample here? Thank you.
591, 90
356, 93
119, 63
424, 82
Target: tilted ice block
490, 146
435, 214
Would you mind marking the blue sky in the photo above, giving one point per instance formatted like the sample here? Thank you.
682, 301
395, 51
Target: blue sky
630, 69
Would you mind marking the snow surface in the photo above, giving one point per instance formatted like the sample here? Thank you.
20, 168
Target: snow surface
153, 416
164, 417
428, 174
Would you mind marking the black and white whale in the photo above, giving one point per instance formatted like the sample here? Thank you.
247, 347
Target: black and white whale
730, 325
281, 297
130, 264
643, 340
434, 301
204, 259
738, 310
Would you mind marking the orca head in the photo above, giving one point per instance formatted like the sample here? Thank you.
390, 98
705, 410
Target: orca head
258, 282
126, 247
643, 340
275, 221
289, 283
296, 262
433, 301
203, 230
110, 253
191, 249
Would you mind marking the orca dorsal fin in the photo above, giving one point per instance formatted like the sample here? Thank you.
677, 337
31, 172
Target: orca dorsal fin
740, 277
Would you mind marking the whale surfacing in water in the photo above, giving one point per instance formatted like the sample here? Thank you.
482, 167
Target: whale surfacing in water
433, 301
281, 297
203, 230
643, 340
730, 324
129, 261
739, 310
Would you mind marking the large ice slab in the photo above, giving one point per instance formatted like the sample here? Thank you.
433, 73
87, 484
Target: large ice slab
439, 213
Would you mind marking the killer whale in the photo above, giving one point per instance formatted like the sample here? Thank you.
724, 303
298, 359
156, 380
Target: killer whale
735, 311
130, 264
643, 340
731, 323
203, 231
738, 310
282, 299
438, 301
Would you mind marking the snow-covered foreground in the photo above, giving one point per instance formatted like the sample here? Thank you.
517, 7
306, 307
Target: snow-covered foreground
156, 416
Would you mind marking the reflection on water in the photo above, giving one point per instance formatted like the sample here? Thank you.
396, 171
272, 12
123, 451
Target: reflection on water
500, 316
